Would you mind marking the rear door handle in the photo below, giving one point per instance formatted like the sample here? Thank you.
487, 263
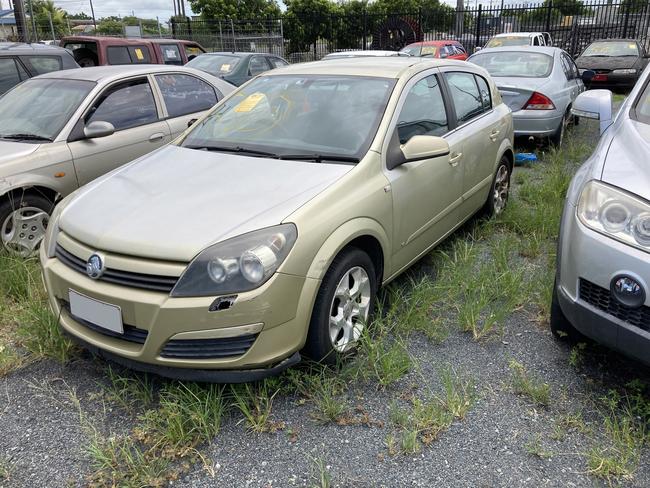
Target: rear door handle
455, 159
158, 136
494, 134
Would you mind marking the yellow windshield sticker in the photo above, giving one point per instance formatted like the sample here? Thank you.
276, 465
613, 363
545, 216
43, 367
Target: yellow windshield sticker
138, 53
632, 46
429, 50
225, 68
250, 102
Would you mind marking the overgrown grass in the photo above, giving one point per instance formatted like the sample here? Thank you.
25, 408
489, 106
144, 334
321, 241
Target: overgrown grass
5, 469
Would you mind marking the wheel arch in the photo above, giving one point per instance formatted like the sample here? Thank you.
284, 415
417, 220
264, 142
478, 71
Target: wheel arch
41, 190
363, 233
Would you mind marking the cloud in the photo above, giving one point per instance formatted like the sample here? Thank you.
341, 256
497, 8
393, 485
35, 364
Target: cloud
149, 9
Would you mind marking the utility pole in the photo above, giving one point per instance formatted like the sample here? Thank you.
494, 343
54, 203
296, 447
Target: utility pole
92, 11
21, 20
175, 12
460, 14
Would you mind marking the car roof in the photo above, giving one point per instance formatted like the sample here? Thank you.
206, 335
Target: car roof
367, 53
101, 73
532, 49
19, 48
235, 54
376, 66
442, 42
615, 40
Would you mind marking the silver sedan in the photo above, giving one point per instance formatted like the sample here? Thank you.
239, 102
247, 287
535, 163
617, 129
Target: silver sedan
539, 84
64, 129
603, 264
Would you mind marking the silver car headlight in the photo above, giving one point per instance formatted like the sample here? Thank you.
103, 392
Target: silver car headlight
624, 71
615, 213
236, 265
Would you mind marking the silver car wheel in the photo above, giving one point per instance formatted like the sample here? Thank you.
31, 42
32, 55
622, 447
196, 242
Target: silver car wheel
501, 188
349, 309
23, 230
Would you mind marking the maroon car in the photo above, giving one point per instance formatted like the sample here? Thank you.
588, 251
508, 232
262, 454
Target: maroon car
100, 51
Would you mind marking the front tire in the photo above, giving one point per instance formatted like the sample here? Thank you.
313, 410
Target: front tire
23, 221
344, 306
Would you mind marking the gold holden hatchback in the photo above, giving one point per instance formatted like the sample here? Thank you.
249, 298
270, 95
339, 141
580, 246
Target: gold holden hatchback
266, 229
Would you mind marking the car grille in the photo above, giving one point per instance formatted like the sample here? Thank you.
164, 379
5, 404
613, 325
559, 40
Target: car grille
126, 278
208, 348
131, 333
602, 299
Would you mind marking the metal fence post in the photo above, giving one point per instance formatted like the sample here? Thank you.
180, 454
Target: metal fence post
232, 30
628, 6
365, 28
173, 22
478, 25
49, 16
548, 16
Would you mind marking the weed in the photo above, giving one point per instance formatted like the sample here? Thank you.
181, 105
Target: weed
577, 356
10, 359
523, 384
41, 334
459, 392
320, 475
255, 402
409, 442
534, 447
5, 469
19, 277
132, 392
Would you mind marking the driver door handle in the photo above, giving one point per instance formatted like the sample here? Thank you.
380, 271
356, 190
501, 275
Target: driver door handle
455, 159
494, 134
158, 136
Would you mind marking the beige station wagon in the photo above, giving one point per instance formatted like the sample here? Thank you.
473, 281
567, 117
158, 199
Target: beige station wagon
60, 130
266, 229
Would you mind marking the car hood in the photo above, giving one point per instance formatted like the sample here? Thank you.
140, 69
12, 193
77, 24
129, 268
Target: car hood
10, 151
627, 165
606, 62
173, 203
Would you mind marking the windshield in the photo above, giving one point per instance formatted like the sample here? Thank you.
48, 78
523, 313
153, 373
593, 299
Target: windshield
217, 65
509, 41
298, 116
612, 49
516, 64
412, 50
40, 107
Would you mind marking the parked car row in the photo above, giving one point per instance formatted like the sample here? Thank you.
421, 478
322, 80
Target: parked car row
252, 225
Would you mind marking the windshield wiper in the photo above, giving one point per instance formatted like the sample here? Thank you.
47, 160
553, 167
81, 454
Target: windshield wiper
236, 149
319, 158
26, 137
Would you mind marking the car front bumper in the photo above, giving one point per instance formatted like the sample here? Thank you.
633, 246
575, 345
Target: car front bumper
259, 335
588, 262
536, 123
614, 80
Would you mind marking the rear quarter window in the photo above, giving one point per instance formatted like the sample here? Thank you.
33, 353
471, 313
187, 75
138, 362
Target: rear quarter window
128, 55
42, 64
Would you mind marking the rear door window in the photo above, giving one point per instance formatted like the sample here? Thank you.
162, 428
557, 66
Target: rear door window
43, 64
128, 55
171, 54
465, 95
185, 94
9, 75
125, 105
258, 65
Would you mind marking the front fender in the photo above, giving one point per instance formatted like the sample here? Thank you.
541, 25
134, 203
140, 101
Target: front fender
341, 237
26, 181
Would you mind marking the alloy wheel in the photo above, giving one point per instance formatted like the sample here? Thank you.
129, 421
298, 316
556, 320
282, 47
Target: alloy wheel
501, 188
349, 309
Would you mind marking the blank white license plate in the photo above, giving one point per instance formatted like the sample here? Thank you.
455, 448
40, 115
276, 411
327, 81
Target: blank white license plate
97, 313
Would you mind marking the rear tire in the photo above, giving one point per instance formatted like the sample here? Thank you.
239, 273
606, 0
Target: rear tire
560, 325
344, 306
557, 138
499, 190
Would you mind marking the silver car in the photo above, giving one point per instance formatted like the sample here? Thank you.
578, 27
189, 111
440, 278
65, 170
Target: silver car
539, 84
603, 262
60, 130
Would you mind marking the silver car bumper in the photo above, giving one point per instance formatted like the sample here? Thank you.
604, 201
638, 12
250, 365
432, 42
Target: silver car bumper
538, 123
588, 262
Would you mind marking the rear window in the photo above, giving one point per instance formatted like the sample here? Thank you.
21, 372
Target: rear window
171, 54
128, 55
508, 41
517, 64
217, 65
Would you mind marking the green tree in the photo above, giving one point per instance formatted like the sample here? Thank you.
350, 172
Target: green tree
635, 6
42, 10
235, 9
306, 21
110, 26
80, 16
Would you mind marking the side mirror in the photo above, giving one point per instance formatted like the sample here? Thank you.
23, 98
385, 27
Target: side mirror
477, 49
191, 122
594, 104
98, 129
417, 148
587, 75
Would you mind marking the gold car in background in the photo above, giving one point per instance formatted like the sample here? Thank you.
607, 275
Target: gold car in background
267, 228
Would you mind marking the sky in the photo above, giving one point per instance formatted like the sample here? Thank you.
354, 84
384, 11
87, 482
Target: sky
151, 9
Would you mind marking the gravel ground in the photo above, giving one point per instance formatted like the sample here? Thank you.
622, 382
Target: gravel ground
48, 414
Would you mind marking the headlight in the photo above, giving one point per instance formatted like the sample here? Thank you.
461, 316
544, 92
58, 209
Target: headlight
615, 213
239, 264
624, 72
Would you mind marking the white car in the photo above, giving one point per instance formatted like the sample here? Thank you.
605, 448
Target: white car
520, 39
